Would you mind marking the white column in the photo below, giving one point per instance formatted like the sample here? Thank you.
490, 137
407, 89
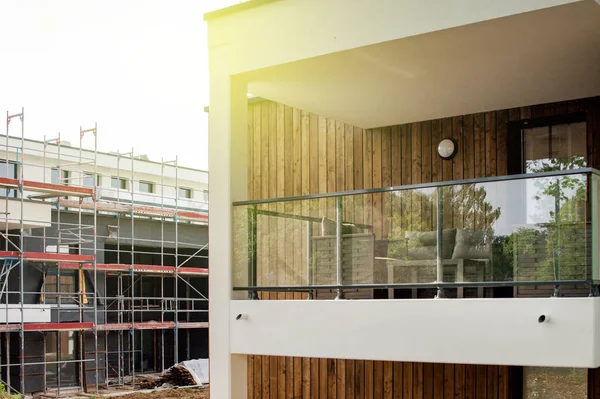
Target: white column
228, 155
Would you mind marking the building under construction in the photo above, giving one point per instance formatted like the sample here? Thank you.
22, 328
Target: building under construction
104, 264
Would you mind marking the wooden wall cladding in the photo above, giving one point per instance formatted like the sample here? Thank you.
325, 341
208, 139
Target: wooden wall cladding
294, 152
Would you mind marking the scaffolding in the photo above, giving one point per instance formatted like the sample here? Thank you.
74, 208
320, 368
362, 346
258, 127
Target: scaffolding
74, 191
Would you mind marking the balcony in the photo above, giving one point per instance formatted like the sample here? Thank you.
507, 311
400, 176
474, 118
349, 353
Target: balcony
520, 235
508, 246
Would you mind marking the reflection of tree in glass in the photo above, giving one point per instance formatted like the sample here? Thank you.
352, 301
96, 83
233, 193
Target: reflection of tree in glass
464, 206
558, 242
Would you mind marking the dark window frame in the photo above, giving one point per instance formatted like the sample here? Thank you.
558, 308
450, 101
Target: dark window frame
514, 140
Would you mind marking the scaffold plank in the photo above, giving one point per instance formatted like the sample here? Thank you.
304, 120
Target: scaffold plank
151, 325
48, 257
57, 326
137, 268
137, 210
48, 188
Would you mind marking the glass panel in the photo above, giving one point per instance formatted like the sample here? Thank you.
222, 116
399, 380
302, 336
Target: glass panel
9, 171
88, 180
185, 193
555, 383
146, 187
119, 183
526, 230
556, 147
61, 347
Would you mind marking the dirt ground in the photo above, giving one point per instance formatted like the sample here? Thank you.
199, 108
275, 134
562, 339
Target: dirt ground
187, 393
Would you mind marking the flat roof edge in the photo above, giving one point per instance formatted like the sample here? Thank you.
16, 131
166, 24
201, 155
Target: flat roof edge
235, 8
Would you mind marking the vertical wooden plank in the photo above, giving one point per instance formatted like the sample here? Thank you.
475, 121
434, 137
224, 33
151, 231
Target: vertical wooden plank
426, 130
340, 156
388, 380
448, 380
468, 147
306, 379
274, 377
438, 380
277, 113
442, 169
386, 179
276, 145
323, 378
398, 380
250, 376
264, 133
322, 146
537, 111
295, 268
250, 152
298, 382
350, 378
417, 144
481, 382
491, 167
525, 112
470, 381
458, 135
479, 138
492, 382
349, 172
550, 109
503, 379
428, 378
458, 168
418, 381
256, 158
314, 377
266, 382
369, 379
358, 175
331, 378
359, 379
282, 373
340, 374
378, 379
459, 381
396, 156
331, 180
368, 176
501, 150
377, 182
406, 142
258, 377
437, 164
290, 376
313, 154
407, 380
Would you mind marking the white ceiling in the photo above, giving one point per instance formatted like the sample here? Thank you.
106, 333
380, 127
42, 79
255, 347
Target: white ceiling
538, 57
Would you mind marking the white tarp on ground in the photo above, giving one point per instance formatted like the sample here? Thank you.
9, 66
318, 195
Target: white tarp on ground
198, 368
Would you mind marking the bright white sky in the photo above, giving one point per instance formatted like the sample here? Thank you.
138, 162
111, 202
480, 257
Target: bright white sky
138, 67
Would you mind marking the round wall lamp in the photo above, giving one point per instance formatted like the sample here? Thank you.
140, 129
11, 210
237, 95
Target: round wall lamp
447, 148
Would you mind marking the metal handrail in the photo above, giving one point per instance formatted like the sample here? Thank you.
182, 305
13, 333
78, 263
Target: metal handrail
479, 180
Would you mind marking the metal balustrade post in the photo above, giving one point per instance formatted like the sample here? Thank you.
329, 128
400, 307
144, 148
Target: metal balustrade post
252, 248
338, 246
440, 242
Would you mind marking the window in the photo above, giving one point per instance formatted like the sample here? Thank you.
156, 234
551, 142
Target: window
146, 187
554, 147
54, 177
118, 183
67, 289
61, 347
185, 192
10, 171
88, 179
205, 195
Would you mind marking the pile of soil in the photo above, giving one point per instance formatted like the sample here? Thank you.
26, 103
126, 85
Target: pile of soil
187, 393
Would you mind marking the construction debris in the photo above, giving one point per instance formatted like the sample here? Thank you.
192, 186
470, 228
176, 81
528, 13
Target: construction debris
187, 373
